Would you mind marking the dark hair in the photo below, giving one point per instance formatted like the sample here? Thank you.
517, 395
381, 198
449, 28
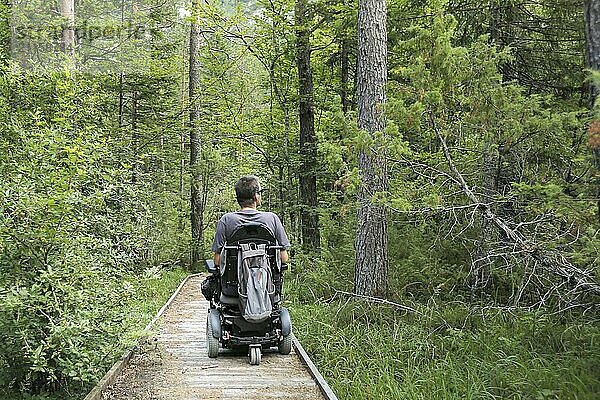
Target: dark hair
245, 189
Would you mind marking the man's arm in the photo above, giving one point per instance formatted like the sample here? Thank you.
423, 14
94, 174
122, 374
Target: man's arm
282, 238
219, 241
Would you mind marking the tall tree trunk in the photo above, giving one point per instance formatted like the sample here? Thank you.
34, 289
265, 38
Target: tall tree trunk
308, 146
499, 24
181, 164
345, 73
121, 74
592, 36
495, 13
371, 235
281, 193
67, 11
481, 267
135, 140
287, 127
289, 176
197, 210
121, 99
282, 101
182, 133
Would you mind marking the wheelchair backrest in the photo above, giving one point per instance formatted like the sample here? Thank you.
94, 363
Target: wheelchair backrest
252, 233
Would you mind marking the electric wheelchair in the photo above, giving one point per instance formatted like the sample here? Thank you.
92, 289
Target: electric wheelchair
226, 327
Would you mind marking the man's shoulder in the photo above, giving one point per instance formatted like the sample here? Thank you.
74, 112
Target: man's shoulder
268, 215
238, 215
229, 218
233, 214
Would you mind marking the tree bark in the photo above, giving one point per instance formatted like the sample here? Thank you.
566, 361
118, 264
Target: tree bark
197, 210
308, 146
135, 139
67, 11
481, 267
592, 36
371, 268
121, 99
288, 165
499, 26
282, 101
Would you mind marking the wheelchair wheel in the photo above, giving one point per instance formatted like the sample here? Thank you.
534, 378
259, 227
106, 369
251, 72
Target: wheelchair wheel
255, 355
285, 346
212, 343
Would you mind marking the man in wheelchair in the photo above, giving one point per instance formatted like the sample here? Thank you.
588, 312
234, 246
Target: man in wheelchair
250, 252
248, 193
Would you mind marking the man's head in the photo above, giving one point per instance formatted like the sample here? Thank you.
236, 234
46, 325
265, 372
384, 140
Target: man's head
248, 191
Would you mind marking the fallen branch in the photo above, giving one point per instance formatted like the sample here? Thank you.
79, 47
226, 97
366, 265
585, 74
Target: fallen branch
381, 301
554, 262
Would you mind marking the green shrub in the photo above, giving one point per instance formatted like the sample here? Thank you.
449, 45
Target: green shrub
76, 235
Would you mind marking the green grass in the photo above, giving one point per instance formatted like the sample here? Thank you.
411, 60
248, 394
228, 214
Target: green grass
454, 349
368, 351
152, 292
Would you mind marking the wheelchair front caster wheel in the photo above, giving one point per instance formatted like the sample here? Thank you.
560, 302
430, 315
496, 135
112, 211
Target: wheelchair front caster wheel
255, 355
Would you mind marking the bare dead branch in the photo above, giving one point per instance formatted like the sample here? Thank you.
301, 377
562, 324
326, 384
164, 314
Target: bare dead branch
550, 260
381, 301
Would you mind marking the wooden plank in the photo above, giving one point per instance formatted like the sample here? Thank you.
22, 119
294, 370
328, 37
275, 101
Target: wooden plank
174, 365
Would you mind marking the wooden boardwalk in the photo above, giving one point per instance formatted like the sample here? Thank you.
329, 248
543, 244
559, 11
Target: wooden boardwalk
172, 364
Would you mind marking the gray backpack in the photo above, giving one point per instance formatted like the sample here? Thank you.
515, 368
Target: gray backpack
255, 282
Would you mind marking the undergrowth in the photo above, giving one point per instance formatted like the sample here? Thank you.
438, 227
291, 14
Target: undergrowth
146, 293
449, 350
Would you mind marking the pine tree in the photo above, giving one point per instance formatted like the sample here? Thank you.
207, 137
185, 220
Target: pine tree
592, 31
197, 204
371, 237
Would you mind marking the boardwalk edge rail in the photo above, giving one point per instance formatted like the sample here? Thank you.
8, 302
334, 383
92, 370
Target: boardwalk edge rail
111, 375
312, 368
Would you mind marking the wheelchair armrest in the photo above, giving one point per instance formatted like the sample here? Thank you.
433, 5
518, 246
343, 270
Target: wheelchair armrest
210, 266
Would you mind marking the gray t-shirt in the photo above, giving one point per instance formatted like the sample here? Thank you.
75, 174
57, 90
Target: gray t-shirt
233, 220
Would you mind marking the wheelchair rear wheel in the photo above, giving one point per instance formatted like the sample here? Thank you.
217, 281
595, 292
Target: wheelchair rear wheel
212, 343
285, 346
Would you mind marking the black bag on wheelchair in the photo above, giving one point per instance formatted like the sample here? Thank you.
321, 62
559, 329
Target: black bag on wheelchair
209, 287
